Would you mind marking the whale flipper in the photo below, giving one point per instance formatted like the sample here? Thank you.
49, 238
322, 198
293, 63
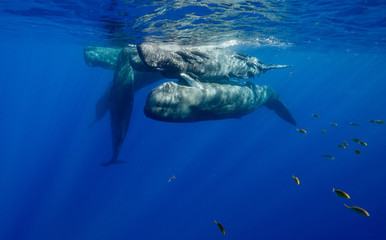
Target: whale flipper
102, 105
281, 110
192, 82
121, 102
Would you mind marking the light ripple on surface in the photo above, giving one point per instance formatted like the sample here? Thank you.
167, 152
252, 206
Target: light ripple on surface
315, 24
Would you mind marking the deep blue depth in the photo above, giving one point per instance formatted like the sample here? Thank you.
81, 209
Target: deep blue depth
237, 172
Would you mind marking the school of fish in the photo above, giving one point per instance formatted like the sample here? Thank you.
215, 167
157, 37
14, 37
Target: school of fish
343, 145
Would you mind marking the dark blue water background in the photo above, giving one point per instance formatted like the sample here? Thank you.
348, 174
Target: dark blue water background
237, 171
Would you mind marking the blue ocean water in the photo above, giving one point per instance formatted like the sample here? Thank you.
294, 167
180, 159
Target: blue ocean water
235, 171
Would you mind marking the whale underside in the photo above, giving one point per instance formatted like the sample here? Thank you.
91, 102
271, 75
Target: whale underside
206, 89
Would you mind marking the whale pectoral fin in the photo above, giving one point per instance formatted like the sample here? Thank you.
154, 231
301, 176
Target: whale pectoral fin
280, 109
102, 105
192, 82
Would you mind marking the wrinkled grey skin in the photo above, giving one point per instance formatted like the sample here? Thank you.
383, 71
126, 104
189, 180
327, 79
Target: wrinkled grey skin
136, 67
174, 102
201, 63
101, 57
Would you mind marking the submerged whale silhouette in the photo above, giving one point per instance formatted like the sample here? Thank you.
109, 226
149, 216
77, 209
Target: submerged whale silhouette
199, 68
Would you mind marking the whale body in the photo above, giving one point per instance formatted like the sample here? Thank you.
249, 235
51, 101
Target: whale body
204, 64
176, 102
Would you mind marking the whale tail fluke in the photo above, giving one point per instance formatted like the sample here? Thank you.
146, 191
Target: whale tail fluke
272, 66
121, 99
91, 124
113, 161
280, 109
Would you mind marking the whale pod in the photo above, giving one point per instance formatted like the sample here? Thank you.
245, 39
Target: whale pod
204, 92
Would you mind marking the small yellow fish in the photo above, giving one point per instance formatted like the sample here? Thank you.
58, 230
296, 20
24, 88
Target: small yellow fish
341, 146
340, 193
328, 156
301, 131
296, 180
345, 143
220, 227
363, 143
358, 210
356, 140
334, 124
324, 131
315, 115
377, 121
357, 151
172, 177
354, 124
